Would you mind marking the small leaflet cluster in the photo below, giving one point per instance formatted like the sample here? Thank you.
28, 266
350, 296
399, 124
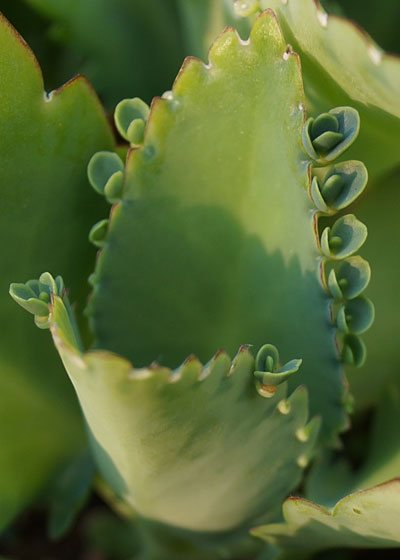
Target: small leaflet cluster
106, 169
333, 187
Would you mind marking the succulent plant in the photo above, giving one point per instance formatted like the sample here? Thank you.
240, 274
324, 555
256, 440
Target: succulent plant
228, 292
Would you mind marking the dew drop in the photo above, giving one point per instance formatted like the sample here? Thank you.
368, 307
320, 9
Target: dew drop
302, 461
245, 8
267, 391
375, 54
301, 435
322, 18
168, 95
283, 406
287, 52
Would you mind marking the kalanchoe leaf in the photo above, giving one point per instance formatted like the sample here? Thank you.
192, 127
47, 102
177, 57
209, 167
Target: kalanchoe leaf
192, 213
350, 279
268, 372
354, 352
343, 66
35, 295
366, 519
330, 134
267, 358
105, 173
189, 261
28, 300
345, 237
355, 316
130, 119
98, 233
172, 435
332, 187
166, 438
336, 187
46, 211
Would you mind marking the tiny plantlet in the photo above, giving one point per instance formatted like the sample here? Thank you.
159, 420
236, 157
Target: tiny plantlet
221, 354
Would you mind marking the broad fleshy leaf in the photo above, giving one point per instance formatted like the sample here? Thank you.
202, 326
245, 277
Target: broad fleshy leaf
214, 241
45, 211
365, 519
196, 447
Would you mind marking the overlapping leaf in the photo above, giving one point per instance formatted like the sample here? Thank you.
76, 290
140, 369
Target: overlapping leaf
343, 66
45, 212
198, 447
366, 519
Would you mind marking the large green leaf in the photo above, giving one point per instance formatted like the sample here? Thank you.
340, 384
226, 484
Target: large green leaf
343, 66
206, 222
45, 212
214, 242
366, 519
198, 447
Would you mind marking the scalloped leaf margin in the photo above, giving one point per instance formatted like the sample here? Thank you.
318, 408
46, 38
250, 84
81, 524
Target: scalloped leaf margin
366, 519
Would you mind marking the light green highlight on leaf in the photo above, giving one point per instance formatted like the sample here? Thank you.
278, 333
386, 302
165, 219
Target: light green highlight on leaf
366, 519
165, 439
